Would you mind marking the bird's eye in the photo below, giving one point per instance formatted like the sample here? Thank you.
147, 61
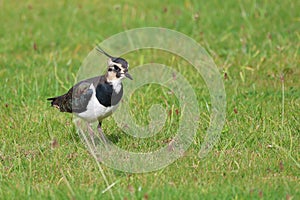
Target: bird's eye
110, 69
117, 68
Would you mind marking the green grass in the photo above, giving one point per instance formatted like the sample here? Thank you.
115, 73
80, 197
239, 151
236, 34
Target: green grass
254, 43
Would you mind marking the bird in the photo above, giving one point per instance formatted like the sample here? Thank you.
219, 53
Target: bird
96, 98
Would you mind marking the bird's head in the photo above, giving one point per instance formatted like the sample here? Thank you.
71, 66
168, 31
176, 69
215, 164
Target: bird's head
117, 67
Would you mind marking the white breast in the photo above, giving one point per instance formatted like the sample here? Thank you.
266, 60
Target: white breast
95, 111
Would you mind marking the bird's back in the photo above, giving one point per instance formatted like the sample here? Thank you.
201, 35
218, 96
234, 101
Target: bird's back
78, 97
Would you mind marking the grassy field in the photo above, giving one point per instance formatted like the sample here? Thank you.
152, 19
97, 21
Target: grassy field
255, 45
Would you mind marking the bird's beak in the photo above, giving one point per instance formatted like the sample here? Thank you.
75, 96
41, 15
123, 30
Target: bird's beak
128, 75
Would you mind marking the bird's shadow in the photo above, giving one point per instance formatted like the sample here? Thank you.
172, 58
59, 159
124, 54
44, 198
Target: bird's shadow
114, 138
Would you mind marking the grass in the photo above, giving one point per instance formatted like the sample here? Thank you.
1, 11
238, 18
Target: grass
256, 48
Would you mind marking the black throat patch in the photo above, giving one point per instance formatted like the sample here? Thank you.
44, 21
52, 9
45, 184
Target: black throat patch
107, 96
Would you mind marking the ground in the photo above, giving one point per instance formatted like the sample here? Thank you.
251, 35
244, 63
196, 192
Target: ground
255, 45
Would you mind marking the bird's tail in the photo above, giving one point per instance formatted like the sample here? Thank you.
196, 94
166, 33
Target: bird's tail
56, 101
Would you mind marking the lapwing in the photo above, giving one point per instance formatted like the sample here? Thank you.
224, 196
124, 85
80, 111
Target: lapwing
96, 98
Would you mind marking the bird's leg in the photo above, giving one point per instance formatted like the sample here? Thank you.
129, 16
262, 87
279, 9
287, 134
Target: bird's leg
102, 136
91, 132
